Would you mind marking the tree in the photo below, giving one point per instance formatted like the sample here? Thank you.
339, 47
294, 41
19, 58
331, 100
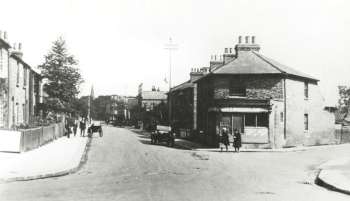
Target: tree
63, 76
344, 100
99, 105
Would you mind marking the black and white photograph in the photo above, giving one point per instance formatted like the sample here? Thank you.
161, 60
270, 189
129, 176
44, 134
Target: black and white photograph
174, 100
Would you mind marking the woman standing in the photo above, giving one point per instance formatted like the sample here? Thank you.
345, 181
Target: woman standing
237, 143
224, 138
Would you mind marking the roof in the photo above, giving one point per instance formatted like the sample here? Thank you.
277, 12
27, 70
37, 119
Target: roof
3, 42
253, 63
154, 95
182, 86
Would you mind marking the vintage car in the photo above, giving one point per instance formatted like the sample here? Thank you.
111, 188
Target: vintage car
95, 127
163, 134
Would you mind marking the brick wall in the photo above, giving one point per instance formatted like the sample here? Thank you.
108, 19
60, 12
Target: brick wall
259, 87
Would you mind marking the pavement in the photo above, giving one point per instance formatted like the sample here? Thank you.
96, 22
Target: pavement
335, 175
57, 158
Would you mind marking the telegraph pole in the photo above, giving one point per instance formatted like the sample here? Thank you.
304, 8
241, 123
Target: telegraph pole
170, 46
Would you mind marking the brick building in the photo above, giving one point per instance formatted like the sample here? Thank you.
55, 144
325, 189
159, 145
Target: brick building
20, 86
271, 104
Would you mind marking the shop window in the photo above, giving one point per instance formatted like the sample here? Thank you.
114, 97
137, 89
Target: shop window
262, 120
250, 120
237, 88
306, 122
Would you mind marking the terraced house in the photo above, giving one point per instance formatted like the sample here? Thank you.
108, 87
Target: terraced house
272, 105
20, 88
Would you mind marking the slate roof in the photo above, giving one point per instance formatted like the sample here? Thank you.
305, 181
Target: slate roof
3, 42
182, 86
254, 63
154, 95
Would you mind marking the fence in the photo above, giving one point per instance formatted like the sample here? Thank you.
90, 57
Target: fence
343, 134
25, 140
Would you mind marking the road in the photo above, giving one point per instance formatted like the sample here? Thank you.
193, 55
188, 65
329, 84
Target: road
124, 166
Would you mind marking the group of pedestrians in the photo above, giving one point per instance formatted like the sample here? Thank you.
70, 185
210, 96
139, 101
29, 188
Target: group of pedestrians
224, 139
73, 124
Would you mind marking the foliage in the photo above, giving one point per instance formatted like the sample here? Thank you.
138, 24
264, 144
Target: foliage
344, 100
99, 107
63, 77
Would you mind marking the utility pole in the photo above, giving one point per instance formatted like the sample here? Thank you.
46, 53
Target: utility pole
170, 46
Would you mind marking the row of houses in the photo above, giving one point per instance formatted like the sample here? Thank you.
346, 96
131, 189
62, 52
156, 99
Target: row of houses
20, 86
271, 104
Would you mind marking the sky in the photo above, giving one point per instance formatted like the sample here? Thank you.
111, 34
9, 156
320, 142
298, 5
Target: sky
121, 43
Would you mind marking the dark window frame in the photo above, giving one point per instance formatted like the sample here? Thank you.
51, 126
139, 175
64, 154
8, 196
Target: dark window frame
306, 90
237, 88
306, 122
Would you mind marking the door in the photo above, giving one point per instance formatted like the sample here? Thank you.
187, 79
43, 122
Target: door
237, 122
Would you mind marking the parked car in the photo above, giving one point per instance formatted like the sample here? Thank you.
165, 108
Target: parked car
163, 134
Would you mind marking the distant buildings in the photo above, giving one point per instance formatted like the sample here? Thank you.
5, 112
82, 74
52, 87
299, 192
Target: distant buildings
20, 86
271, 104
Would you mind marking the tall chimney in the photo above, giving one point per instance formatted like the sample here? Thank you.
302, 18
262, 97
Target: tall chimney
247, 39
253, 39
239, 39
17, 50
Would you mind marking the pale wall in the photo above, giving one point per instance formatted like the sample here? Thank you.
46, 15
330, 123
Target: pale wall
321, 122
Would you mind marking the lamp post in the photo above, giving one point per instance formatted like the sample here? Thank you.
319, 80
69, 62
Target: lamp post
170, 46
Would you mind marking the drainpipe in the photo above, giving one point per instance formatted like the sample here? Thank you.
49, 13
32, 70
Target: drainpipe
285, 108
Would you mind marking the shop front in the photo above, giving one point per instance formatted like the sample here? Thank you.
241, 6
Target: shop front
252, 123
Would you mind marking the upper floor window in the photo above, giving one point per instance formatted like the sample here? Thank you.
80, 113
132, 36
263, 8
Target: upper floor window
17, 80
24, 76
306, 122
306, 90
237, 88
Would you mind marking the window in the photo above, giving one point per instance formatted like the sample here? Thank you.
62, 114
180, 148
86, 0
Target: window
262, 120
24, 76
250, 120
306, 122
256, 120
237, 88
281, 117
306, 90
17, 81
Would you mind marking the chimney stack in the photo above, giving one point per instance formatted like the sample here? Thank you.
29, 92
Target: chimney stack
5, 35
247, 46
239, 39
247, 39
17, 50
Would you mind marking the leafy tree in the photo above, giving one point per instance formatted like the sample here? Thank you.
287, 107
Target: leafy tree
99, 105
64, 77
344, 100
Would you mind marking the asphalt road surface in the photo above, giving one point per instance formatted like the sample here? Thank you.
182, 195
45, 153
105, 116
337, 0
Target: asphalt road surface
124, 166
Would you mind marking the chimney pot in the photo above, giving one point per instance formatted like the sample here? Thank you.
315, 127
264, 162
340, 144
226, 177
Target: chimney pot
14, 46
19, 46
5, 35
247, 39
226, 50
230, 50
215, 57
253, 39
239, 39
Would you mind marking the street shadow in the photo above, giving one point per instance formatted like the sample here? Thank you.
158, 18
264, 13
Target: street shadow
163, 144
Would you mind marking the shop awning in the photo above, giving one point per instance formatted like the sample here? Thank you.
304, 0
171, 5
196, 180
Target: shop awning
238, 109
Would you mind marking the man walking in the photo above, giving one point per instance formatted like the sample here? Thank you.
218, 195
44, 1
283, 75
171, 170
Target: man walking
82, 127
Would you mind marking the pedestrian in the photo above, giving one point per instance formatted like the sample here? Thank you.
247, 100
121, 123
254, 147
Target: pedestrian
82, 127
237, 140
67, 126
75, 127
224, 139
